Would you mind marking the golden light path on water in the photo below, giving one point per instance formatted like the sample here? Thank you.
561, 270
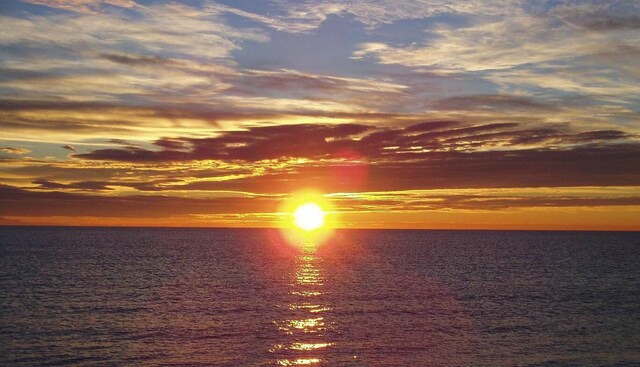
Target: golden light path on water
303, 332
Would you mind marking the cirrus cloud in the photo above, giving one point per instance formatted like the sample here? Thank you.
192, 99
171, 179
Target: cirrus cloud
82, 6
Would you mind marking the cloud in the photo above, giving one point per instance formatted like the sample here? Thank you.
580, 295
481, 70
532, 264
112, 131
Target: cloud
16, 151
315, 141
433, 154
198, 95
179, 30
71, 175
170, 69
180, 52
19, 202
314, 86
614, 166
517, 40
60, 120
570, 47
421, 201
169, 107
83, 6
515, 35
136, 60
531, 58
185, 65
305, 16
491, 102
259, 143
600, 16
16, 202
83, 185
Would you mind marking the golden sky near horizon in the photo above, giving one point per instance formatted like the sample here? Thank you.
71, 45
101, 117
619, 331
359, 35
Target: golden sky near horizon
403, 114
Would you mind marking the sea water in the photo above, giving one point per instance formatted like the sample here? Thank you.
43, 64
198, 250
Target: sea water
244, 297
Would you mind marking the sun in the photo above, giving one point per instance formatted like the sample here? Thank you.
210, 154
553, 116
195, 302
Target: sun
307, 219
309, 216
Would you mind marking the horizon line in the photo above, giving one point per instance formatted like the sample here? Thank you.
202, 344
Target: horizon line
337, 228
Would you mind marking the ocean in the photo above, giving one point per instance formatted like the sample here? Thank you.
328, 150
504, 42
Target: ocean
243, 297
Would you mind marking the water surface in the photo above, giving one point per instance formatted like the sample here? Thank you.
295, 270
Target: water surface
221, 297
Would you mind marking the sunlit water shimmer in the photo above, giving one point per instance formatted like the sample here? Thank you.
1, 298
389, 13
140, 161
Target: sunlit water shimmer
208, 297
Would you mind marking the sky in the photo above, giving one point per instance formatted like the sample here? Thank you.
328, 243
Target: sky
498, 114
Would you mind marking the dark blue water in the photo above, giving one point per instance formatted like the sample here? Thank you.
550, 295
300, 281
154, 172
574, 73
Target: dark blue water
206, 297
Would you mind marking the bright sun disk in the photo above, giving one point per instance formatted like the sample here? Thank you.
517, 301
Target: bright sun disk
309, 216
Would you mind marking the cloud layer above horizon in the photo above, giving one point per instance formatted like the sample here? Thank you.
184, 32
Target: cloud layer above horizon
405, 113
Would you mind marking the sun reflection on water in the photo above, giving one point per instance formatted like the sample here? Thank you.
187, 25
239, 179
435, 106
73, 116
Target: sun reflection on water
303, 329
298, 361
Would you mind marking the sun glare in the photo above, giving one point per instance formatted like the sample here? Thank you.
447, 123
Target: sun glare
307, 220
309, 217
